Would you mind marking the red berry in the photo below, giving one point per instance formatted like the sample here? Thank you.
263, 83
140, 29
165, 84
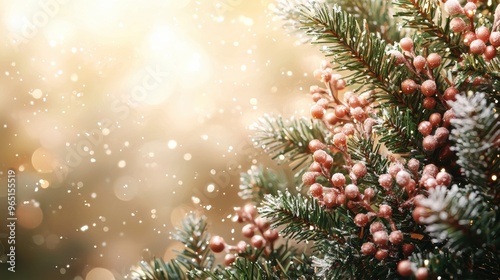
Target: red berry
320, 156
271, 235
431, 170
429, 143
450, 94
419, 62
323, 102
351, 191
403, 178
229, 259
428, 88
469, 36
413, 165
314, 167
490, 52
406, 44
358, 114
447, 117
330, 200
396, 237
354, 101
257, 241
409, 86
394, 168
385, 211
338, 180
309, 178
340, 140
495, 38
380, 237
248, 230
376, 226
408, 249
315, 145
404, 268
429, 103
385, 180
341, 199
340, 84
433, 60
422, 273
477, 46
359, 170
441, 134
419, 213
453, 7
443, 178
457, 24
341, 111
430, 183
316, 96
381, 254
348, 129
262, 223
368, 248
369, 193
361, 220
317, 111
435, 119
217, 244
483, 33
316, 190
425, 128
470, 9
330, 118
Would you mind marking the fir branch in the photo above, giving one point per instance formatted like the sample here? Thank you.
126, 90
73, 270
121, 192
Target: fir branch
259, 181
157, 269
474, 66
304, 219
288, 140
476, 133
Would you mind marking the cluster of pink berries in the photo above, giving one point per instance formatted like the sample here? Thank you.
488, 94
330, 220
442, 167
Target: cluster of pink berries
435, 131
257, 229
475, 38
328, 105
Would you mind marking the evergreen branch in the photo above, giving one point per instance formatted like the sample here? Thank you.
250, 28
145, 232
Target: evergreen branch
157, 269
476, 133
304, 219
474, 66
365, 150
288, 140
259, 181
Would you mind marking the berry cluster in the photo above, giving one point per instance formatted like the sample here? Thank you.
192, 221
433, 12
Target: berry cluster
436, 131
256, 228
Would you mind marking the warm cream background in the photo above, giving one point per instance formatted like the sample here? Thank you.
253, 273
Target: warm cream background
121, 116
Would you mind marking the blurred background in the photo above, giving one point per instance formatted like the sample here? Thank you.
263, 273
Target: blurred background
119, 117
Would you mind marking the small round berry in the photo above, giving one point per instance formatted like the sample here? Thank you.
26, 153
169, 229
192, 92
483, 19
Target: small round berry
341, 199
419, 62
359, 170
409, 86
361, 220
309, 178
400, 58
404, 268
408, 249
422, 273
317, 111
340, 85
381, 254
431, 170
348, 129
477, 46
470, 9
338, 180
385, 180
330, 200
450, 94
369, 193
323, 102
217, 244
406, 44
429, 143
351, 191
328, 163
396, 237
425, 128
428, 88
435, 119
326, 75
250, 210
385, 211
241, 246
495, 38
453, 7
410, 188
380, 237
271, 235
368, 248
433, 60
490, 52
330, 118
429, 103
443, 178
320, 156
457, 24
376, 226
469, 36
394, 168
315, 89
229, 259
315, 145
257, 241
483, 33
358, 114
420, 213
447, 117
341, 111
316, 190
340, 140
248, 230
403, 178
413, 165
316, 96
430, 183
354, 101
315, 167
262, 223
441, 134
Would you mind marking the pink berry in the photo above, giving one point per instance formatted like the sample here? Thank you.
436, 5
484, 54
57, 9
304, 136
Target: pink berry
404, 266
271, 235
340, 84
341, 199
394, 168
354, 101
483, 33
217, 244
250, 210
359, 169
376, 226
470, 9
248, 230
381, 254
380, 237
422, 273
241, 246
490, 52
358, 114
406, 44
453, 7
428, 88
425, 128
443, 178
368, 248
433, 60
338, 180
317, 111
495, 38
419, 62
477, 46
413, 165
351, 191
409, 86
309, 178
229, 259
330, 118
469, 36
316, 96
385, 180
316, 190
441, 134
450, 94
330, 200
257, 241
403, 178
315, 167
340, 140
457, 24
435, 119
429, 103
361, 220
341, 111
396, 237
431, 169
320, 156
385, 211
348, 129
323, 102
429, 143
369, 193
315, 145
430, 183
447, 117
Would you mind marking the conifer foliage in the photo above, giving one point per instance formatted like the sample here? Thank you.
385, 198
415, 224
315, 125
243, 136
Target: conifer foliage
396, 169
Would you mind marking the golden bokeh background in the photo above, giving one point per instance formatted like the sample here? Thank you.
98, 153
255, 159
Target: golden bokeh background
119, 117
